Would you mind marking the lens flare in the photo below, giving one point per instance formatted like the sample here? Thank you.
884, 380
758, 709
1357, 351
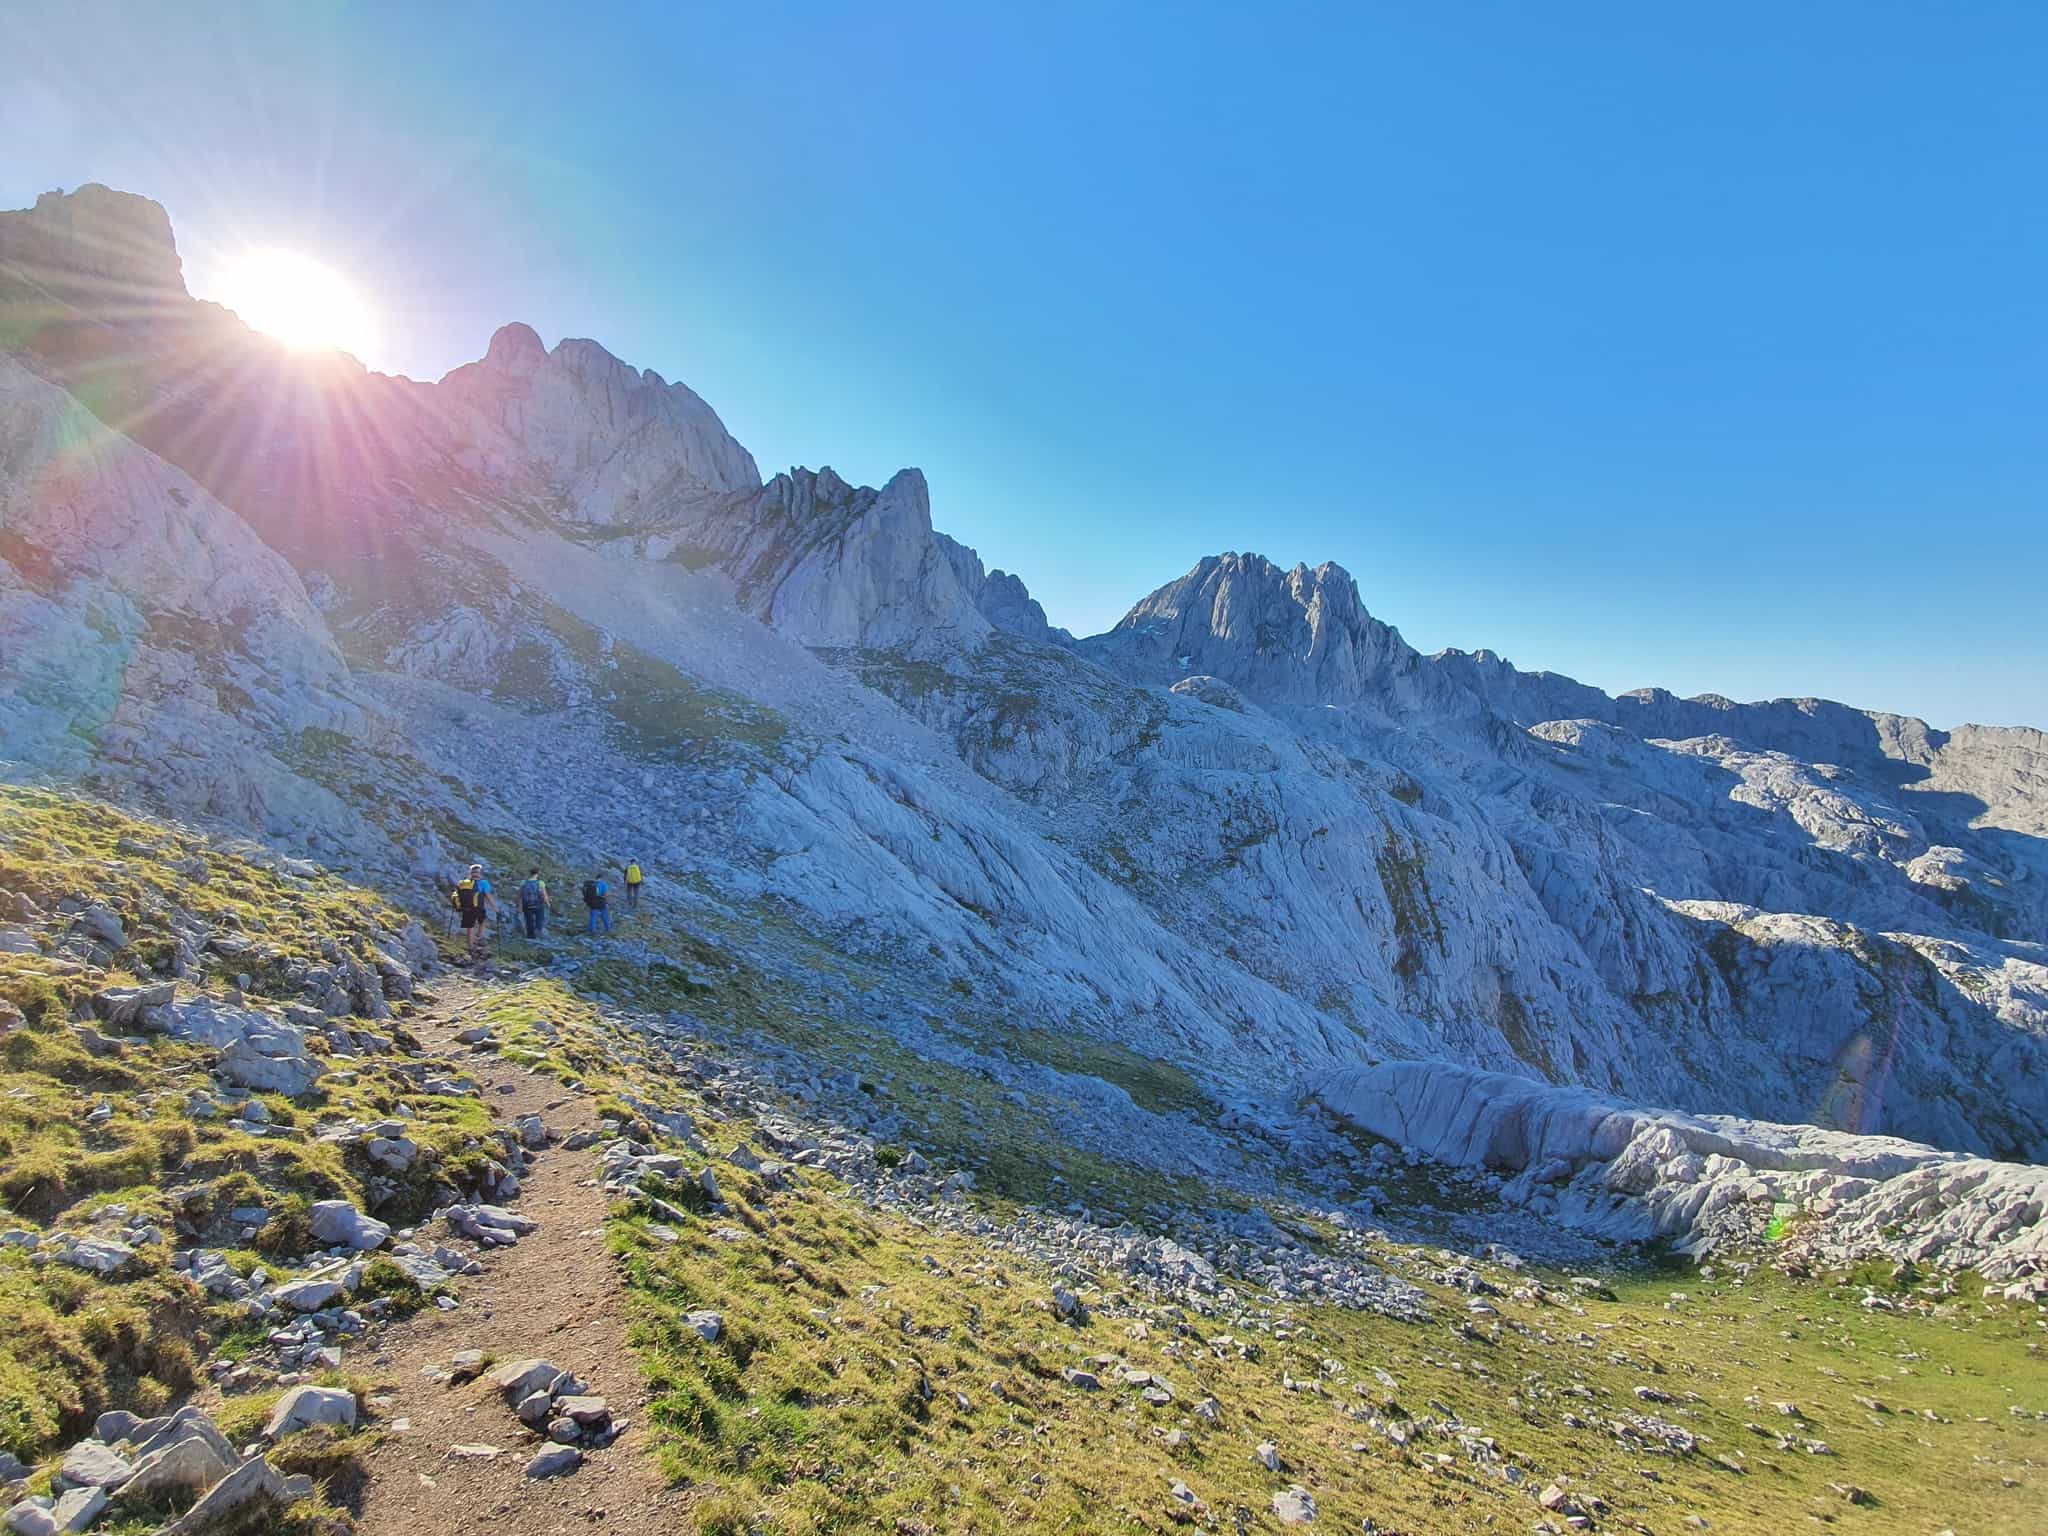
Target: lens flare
300, 301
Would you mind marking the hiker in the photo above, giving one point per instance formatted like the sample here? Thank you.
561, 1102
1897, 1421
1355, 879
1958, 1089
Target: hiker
633, 881
595, 898
534, 903
474, 903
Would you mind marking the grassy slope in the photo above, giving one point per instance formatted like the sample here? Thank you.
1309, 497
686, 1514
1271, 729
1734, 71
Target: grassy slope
830, 1402
76, 1344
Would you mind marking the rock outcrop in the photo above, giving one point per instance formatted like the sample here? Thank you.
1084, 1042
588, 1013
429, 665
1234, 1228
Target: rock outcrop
1591, 1163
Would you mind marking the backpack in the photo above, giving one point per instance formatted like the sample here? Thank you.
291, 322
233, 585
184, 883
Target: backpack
529, 895
590, 896
632, 874
465, 897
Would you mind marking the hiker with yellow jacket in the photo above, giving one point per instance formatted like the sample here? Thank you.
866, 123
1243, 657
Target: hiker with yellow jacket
474, 904
634, 880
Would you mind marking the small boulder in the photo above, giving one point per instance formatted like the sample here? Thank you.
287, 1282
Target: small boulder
466, 1365
100, 1255
520, 1379
708, 1326
303, 1407
188, 1466
254, 1481
90, 1464
555, 1461
339, 1224
536, 1408
307, 1295
72, 1511
1294, 1506
587, 1411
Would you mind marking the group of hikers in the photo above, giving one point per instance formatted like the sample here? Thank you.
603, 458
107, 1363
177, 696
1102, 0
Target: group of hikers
475, 903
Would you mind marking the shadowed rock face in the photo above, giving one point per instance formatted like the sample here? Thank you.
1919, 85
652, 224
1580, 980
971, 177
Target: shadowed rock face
110, 250
1249, 830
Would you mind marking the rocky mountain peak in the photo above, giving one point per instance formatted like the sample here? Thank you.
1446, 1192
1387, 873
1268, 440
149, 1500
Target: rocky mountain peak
1299, 635
94, 246
516, 346
620, 444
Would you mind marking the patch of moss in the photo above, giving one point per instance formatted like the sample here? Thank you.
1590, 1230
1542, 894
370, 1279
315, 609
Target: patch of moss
1154, 1085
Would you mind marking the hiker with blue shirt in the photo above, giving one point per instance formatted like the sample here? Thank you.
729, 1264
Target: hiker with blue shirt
595, 898
474, 903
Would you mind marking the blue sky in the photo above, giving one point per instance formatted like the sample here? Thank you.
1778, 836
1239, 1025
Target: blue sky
1704, 347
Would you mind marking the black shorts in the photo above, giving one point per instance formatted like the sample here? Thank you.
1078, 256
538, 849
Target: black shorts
472, 919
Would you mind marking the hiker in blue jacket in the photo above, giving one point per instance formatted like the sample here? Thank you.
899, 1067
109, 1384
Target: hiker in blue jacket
595, 897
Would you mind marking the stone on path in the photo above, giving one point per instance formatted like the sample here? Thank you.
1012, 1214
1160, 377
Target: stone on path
536, 1408
555, 1461
520, 1379
584, 1410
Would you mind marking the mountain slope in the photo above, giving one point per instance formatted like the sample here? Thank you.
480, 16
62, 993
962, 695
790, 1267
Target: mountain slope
1249, 830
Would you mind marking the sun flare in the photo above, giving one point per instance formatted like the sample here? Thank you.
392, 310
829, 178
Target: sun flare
299, 301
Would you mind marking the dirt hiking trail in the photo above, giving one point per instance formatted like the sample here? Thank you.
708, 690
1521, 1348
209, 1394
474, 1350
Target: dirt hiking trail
556, 1295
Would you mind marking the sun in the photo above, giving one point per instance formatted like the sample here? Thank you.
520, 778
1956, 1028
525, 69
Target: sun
299, 301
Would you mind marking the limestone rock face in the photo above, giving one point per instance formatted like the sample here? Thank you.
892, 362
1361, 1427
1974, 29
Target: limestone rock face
1001, 598
141, 618
618, 444
1598, 1165
1300, 635
830, 564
